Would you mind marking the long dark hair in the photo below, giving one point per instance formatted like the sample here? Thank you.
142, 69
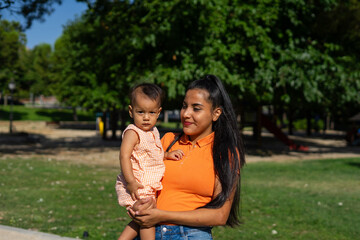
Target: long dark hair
228, 152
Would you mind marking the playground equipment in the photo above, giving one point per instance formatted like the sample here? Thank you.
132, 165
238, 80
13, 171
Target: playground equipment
271, 127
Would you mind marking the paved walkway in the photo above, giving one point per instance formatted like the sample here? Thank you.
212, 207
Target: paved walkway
11, 233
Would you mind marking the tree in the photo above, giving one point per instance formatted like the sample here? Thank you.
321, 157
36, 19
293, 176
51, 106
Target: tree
12, 43
37, 70
30, 9
72, 76
266, 52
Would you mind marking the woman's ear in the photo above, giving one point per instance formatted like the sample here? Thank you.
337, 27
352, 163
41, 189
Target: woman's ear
216, 114
130, 111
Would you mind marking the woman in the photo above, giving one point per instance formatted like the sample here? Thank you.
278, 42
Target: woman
203, 188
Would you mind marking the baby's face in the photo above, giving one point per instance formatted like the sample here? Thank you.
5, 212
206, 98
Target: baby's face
145, 112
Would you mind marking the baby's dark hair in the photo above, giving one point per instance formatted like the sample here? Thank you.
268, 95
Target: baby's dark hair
151, 90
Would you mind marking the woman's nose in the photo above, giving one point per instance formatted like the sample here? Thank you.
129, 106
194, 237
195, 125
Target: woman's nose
185, 112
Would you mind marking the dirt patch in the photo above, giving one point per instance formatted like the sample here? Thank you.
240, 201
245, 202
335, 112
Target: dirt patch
49, 141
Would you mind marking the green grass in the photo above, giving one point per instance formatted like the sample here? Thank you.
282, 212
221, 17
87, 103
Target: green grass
299, 200
169, 125
43, 114
60, 198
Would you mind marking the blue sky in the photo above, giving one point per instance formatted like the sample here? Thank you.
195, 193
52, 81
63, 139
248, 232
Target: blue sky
49, 30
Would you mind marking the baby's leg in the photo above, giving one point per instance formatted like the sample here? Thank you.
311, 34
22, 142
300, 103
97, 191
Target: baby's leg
147, 233
130, 232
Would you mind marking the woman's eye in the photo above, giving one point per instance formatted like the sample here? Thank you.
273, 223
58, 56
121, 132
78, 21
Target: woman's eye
183, 106
196, 109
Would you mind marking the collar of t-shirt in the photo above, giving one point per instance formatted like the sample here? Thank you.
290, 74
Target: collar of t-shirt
201, 143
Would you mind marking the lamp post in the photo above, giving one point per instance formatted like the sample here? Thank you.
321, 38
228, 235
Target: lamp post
12, 88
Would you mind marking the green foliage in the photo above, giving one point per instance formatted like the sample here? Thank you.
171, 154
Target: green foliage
12, 42
284, 53
29, 9
301, 124
37, 70
264, 51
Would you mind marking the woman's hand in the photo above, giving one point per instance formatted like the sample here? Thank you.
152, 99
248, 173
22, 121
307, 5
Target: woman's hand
143, 204
146, 218
144, 212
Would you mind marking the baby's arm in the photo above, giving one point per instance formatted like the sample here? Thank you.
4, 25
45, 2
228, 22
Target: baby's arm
129, 141
174, 155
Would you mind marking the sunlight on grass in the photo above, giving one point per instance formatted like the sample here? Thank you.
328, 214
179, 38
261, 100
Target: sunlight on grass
60, 198
43, 114
299, 200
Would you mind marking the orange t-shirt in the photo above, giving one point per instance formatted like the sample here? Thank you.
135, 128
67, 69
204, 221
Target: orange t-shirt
188, 183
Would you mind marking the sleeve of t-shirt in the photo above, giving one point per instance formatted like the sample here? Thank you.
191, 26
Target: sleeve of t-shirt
167, 139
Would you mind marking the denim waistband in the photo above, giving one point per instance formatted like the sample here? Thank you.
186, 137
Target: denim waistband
174, 232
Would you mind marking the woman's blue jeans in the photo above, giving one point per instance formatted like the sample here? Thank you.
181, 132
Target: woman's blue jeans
170, 232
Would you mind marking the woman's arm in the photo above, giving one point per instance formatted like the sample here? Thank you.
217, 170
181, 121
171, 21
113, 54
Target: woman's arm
128, 143
197, 217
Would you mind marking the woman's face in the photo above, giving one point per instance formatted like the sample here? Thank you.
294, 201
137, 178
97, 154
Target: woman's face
197, 114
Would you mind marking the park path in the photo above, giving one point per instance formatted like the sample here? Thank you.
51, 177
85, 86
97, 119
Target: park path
11, 233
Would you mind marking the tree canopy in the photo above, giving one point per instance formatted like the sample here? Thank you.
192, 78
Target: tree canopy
297, 55
12, 43
29, 9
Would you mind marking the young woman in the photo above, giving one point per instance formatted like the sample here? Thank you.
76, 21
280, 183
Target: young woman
203, 188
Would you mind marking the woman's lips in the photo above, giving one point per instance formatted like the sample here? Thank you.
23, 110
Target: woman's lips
187, 124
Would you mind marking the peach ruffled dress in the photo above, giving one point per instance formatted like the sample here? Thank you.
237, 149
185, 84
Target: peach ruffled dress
147, 161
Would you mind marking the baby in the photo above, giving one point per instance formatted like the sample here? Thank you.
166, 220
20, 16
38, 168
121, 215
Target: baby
142, 155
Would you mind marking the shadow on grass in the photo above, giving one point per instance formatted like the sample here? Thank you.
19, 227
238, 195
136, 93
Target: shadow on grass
354, 164
17, 115
64, 115
317, 145
42, 144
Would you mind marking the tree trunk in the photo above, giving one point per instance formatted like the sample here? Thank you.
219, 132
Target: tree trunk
75, 116
308, 124
325, 126
123, 116
166, 116
328, 122
290, 120
32, 99
114, 123
104, 118
257, 126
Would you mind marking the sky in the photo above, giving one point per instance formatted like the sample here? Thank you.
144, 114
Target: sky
51, 29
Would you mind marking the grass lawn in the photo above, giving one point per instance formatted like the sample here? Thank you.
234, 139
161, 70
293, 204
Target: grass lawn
43, 114
299, 200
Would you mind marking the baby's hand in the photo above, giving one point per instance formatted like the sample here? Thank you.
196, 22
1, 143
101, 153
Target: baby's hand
132, 188
175, 155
